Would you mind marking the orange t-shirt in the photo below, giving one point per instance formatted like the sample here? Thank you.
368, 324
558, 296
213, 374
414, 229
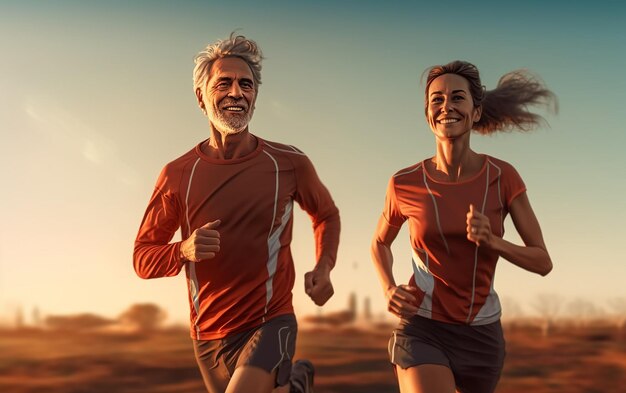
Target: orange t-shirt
454, 276
251, 277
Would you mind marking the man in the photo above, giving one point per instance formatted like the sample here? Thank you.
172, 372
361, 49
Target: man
232, 197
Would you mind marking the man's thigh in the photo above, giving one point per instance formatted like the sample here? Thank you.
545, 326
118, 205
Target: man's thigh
214, 370
250, 379
271, 348
267, 349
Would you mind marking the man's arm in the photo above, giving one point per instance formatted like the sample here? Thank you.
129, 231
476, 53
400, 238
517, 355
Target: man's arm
154, 256
315, 199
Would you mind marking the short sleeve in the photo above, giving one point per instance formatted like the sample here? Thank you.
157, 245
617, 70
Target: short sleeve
391, 211
512, 184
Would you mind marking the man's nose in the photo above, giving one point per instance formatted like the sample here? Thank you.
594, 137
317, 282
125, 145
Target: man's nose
235, 90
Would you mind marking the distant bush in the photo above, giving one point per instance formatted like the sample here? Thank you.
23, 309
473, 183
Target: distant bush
144, 317
76, 322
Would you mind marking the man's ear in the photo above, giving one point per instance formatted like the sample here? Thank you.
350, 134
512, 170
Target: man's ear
199, 98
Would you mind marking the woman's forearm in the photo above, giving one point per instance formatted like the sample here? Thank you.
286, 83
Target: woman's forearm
532, 258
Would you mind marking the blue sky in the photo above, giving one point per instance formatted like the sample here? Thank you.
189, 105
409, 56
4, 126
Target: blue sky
96, 97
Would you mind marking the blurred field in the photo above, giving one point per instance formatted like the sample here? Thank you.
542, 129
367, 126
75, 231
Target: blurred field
347, 360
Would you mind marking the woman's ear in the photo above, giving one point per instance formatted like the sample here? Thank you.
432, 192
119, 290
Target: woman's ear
478, 112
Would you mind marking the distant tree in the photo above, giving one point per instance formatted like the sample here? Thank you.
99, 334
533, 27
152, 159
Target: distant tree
79, 322
619, 307
583, 312
548, 307
144, 317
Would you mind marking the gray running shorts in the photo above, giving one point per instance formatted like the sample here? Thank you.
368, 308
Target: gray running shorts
270, 346
475, 354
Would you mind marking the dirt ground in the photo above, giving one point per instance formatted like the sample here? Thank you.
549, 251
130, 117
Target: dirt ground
347, 360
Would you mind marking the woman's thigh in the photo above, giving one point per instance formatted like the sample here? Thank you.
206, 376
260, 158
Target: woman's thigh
426, 378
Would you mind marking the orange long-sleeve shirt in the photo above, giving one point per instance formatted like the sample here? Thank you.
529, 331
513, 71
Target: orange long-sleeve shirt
251, 278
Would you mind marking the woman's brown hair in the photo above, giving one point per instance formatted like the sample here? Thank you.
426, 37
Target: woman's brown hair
504, 108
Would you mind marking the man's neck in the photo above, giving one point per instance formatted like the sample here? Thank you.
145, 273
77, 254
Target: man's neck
226, 146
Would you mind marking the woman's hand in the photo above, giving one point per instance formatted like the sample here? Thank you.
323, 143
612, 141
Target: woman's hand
402, 300
479, 228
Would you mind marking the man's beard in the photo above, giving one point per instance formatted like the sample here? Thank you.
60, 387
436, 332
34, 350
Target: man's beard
230, 124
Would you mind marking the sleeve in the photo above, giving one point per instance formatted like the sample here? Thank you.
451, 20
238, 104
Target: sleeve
512, 185
391, 212
315, 199
153, 255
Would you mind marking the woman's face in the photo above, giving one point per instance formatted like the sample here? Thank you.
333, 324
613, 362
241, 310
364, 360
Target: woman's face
451, 112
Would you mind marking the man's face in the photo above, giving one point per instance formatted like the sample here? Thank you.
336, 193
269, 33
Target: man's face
229, 95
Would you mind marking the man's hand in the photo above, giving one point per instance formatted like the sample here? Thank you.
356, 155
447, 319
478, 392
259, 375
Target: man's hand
402, 300
203, 243
317, 283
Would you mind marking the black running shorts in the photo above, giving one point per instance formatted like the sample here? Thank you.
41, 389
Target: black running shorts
270, 347
475, 354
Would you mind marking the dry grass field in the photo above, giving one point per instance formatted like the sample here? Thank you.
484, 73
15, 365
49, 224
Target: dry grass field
347, 360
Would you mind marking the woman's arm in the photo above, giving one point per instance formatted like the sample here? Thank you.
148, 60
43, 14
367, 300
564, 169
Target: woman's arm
533, 256
401, 300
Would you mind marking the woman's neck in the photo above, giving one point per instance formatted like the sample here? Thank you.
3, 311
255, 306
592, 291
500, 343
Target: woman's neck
455, 161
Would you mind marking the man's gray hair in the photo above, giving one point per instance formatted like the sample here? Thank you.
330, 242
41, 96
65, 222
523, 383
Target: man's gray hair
233, 46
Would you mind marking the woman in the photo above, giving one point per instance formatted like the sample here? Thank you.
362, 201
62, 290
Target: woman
450, 335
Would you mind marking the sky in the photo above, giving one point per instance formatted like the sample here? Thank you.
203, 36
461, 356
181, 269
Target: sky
96, 97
